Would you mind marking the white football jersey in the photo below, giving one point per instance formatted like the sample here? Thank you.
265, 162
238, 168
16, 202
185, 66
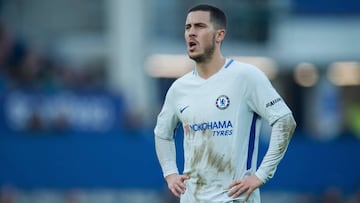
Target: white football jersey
221, 118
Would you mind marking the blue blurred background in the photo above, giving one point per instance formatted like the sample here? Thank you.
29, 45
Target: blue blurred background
82, 81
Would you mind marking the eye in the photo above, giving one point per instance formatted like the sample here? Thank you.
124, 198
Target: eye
200, 25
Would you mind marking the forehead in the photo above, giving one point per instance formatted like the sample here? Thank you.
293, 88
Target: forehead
198, 17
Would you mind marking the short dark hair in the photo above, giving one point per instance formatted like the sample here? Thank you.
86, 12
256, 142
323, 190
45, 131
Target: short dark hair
217, 16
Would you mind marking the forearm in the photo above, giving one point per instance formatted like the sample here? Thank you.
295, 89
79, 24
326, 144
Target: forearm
166, 153
282, 131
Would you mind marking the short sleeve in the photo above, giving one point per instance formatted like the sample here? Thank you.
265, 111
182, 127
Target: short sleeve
262, 98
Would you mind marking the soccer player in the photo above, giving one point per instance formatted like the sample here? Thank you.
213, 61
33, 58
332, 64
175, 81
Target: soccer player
220, 105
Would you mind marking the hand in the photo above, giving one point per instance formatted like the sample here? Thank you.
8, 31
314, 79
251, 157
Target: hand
176, 183
248, 185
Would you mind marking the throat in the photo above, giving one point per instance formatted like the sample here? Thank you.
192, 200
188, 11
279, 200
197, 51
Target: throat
206, 70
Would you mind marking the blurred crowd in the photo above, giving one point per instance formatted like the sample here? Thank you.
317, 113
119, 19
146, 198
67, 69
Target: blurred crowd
12, 195
23, 65
36, 72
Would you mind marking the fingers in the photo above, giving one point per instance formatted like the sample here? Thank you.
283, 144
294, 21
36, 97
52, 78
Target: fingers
248, 185
177, 190
235, 193
248, 193
177, 185
234, 184
238, 190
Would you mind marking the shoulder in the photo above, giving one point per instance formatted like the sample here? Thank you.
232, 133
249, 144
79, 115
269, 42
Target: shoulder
245, 71
188, 77
181, 82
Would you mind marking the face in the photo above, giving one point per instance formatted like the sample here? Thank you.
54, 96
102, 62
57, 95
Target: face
200, 36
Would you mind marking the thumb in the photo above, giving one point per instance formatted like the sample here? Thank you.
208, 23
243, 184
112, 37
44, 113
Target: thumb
185, 177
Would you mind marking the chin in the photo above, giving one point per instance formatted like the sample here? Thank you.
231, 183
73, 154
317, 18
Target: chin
197, 58
194, 56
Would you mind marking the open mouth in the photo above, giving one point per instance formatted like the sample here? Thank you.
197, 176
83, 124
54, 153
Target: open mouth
192, 46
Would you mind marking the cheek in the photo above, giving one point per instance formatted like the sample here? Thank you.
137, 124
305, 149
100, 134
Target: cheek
210, 40
206, 39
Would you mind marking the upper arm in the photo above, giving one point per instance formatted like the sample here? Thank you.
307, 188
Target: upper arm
262, 97
167, 119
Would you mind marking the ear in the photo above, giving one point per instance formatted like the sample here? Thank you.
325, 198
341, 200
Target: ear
220, 35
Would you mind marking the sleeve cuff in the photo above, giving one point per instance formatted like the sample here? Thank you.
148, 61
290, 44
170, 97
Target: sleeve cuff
170, 171
264, 178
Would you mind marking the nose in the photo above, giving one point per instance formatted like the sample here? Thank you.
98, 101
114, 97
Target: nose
190, 32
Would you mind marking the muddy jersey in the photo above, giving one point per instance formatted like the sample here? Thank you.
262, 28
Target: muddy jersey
221, 118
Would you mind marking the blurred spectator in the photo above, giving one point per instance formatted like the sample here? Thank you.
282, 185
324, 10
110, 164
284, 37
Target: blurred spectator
25, 68
22, 66
5, 48
35, 122
72, 196
61, 122
332, 195
7, 194
353, 117
355, 198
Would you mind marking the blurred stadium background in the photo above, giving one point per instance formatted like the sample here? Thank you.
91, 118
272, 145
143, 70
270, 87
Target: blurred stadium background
82, 81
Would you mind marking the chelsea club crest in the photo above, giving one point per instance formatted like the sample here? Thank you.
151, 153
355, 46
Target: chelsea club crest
222, 102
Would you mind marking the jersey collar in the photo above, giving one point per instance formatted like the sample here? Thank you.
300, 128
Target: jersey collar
228, 62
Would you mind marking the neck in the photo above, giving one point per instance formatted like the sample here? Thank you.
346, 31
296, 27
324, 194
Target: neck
208, 68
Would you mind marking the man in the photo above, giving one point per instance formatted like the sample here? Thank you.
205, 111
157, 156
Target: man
220, 105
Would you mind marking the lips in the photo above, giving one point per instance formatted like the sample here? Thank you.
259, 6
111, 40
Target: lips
192, 45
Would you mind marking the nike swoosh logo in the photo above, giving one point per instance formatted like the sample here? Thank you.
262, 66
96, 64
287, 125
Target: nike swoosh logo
183, 109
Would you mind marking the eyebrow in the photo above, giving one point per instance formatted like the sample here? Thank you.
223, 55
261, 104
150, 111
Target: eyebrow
195, 24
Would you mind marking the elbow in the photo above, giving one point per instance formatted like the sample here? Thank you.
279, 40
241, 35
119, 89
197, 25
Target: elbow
286, 125
293, 122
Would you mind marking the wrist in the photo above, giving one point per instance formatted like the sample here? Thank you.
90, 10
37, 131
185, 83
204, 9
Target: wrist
170, 176
261, 176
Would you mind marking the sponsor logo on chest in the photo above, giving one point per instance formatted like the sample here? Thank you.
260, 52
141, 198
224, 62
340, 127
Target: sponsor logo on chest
217, 128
